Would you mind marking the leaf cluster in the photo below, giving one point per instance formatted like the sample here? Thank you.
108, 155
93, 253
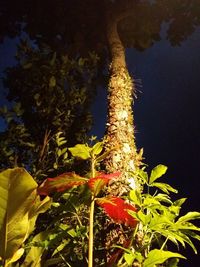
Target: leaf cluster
51, 94
160, 224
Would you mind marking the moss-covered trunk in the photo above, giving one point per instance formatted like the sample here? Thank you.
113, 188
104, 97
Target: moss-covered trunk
120, 133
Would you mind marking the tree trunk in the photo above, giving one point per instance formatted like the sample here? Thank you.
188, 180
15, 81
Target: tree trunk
120, 135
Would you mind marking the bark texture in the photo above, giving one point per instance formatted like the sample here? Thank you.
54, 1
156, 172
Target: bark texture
120, 135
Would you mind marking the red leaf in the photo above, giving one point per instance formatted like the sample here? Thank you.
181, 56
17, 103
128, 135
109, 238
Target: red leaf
61, 183
117, 209
97, 183
108, 175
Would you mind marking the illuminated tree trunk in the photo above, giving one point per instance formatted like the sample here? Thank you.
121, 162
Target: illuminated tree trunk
120, 122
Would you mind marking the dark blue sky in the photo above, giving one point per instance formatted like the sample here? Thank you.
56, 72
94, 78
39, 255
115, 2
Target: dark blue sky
167, 111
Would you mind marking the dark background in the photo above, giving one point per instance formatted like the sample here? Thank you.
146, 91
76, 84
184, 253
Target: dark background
167, 111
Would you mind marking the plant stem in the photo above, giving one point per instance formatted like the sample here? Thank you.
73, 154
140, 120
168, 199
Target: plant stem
163, 245
91, 222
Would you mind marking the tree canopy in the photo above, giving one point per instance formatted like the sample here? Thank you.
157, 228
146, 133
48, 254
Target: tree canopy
78, 26
65, 40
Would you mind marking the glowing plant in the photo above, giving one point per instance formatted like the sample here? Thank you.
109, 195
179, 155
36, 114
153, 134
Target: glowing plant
96, 182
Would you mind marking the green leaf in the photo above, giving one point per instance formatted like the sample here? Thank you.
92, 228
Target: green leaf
105, 155
80, 151
186, 239
179, 202
192, 215
81, 61
143, 175
150, 200
192, 234
17, 195
36, 96
144, 218
164, 187
163, 198
157, 256
157, 172
129, 258
52, 81
97, 148
17, 255
33, 258
37, 208
187, 226
135, 196
53, 59
159, 222
59, 248
173, 262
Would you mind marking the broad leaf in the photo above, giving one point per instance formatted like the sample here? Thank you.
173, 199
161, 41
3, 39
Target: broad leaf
179, 202
150, 200
61, 183
187, 226
159, 222
186, 239
97, 148
157, 256
157, 172
17, 255
117, 209
163, 198
33, 258
17, 195
80, 151
129, 258
135, 197
192, 215
164, 187
105, 154
38, 207
192, 234
143, 175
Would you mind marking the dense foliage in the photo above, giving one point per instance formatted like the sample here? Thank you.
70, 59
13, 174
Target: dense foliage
51, 90
51, 96
71, 238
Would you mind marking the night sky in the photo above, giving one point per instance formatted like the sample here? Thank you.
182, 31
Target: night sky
167, 111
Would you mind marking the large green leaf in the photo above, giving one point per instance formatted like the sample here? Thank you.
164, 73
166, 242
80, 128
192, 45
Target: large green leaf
97, 148
38, 207
157, 256
17, 195
164, 187
80, 151
157, 172
192, 215
34, 255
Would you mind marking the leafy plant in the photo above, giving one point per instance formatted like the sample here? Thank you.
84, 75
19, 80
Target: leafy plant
151, 215
20, 206
48, 105
159, 224
95, 183
154, 217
